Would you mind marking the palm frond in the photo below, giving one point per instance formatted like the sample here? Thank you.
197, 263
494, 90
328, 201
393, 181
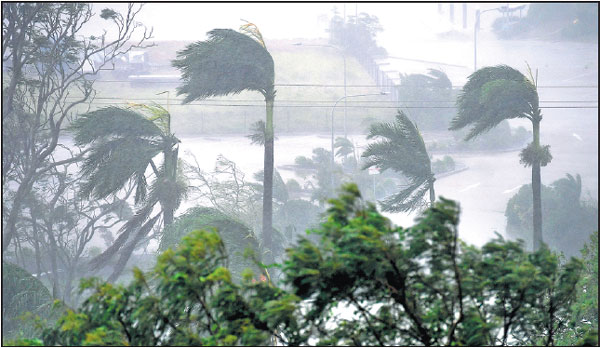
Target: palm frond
440, 79
492, 94
155, 113
109, 122
503, 99
259, 129
344, 147
227, 63
135, 223
251, 30
110, 165
400, 147
408, 199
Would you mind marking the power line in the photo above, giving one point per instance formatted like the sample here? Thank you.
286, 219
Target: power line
350, 106
317, 85
315, 101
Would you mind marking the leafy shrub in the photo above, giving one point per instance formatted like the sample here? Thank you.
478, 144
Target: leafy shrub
414, 286
498, 138
236, 235
22, 293
567, 221
419, 92
444, 165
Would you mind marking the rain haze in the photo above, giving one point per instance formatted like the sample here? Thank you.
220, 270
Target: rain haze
166, 126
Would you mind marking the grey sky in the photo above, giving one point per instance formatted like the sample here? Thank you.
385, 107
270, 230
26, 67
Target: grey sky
191, 21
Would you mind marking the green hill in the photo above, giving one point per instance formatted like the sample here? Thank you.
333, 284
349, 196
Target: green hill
299, 108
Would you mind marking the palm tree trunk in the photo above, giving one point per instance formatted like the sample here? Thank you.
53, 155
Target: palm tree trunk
167, 217
536, 183
267, 225
171, 157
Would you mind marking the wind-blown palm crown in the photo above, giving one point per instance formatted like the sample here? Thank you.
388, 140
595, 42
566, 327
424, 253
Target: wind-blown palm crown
491, 95
122, 145
228, 62
401, 148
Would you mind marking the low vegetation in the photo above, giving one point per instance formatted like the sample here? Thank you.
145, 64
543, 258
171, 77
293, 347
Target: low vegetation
381, 284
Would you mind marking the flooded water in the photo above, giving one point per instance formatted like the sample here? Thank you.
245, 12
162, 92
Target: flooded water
483, 190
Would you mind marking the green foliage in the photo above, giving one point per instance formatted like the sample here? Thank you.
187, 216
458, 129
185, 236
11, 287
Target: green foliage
420, 90
582, 329
188, 299
236, 236
357, 35
587, 305
491, 95
24, 298
319, 165
535, 154
227, 63
108, 13
567, 220
257, 137
497, 138
414, 286
444, 165
123, 143
570, 21
344, 147
400, 147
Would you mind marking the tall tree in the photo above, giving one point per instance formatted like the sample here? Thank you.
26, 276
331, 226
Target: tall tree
122, 146
49, 73
493, 94
400, 147
230, 62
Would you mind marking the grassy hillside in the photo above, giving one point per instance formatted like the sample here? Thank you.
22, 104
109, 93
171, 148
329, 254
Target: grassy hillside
298, 109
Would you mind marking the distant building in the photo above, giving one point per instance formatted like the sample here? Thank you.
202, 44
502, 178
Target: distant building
135, 62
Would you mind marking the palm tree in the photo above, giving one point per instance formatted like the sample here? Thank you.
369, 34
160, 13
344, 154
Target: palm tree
230, 62
122, 146
402, 149
493, 94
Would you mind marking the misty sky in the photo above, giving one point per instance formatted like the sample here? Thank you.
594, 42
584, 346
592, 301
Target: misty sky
191, 21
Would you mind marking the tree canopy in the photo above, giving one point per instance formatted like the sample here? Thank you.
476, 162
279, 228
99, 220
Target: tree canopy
366, 282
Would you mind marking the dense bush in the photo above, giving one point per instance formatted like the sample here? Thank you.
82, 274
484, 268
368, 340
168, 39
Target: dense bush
444, 165
235, 235
365, 283
571, 21
583, 326
568, 221
501, 137
22, 293
419, 94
